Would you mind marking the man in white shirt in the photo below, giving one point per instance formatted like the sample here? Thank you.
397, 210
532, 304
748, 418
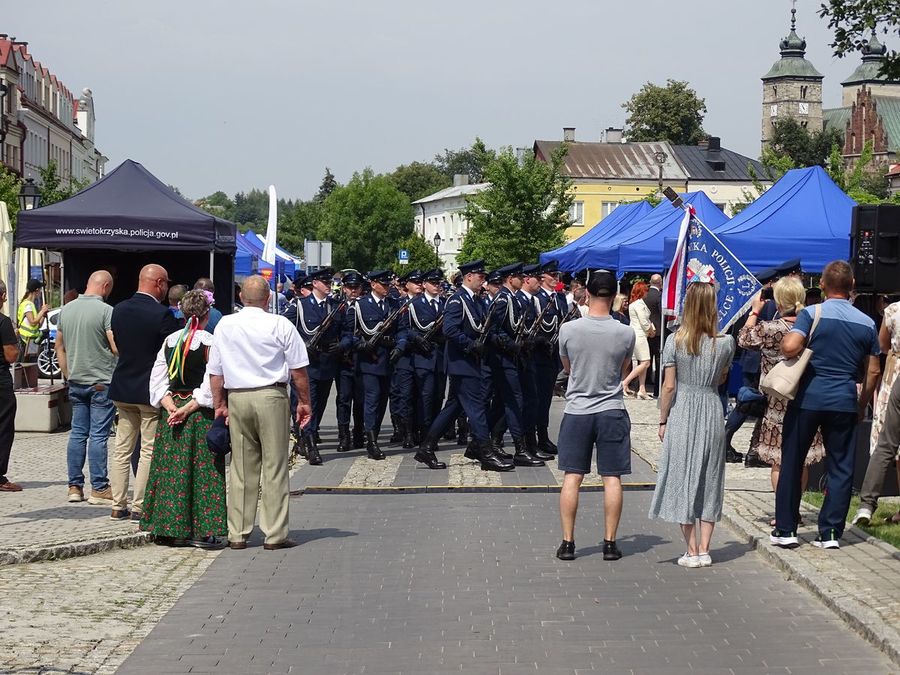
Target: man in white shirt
254, 355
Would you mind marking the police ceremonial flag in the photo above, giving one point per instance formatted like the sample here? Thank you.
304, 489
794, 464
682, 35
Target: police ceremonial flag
701, 256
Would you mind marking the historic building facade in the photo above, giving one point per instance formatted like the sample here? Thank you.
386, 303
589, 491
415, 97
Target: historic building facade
43, 121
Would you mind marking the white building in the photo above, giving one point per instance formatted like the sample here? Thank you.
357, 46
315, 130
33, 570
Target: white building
45, 122
442, 214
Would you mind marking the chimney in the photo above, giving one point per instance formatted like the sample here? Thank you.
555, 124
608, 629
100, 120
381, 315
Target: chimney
460, 179
569, 134
703, 143
714, 144
613, 135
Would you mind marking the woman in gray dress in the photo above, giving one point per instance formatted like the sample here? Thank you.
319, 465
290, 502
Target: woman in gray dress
691, 480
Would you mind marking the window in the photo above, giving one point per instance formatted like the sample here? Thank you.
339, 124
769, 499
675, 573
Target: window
773, 110
803, 92
720, 206
774, 92
607, 208
576, 213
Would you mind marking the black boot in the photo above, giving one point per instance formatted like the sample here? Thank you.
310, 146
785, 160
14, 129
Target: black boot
359, 439
299, 448
372, 448
318, 438
491, 461
531, 446
472, 450
312, 452
497, 445
409, 436
462, 431
397, 435
426, 455
523, 456
732, 456
752, 461
545, 445
343, 438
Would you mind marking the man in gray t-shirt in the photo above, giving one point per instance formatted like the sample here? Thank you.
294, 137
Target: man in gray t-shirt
594, 351
87, 356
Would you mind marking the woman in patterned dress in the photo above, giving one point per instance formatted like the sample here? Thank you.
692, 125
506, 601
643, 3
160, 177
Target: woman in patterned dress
690, 485
185, 500
766, 337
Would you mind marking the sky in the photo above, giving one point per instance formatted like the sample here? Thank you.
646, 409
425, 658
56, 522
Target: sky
226, 95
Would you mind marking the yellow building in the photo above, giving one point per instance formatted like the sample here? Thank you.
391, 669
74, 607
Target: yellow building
609, 173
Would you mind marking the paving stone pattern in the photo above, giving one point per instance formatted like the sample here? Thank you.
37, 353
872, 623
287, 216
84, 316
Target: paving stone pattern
87, 614
437, 583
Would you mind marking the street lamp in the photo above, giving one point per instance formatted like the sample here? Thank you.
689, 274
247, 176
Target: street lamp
437, 243
29, 196
660, 158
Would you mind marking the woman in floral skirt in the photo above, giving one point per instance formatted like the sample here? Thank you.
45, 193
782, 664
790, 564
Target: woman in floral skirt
185, 500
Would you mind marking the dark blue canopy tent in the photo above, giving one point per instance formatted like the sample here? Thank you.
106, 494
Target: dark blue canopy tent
127, 219
247, 258
615, 222
803, 215
643, 251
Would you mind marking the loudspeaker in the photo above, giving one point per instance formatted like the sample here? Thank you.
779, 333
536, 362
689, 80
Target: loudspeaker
875, 248
817, 471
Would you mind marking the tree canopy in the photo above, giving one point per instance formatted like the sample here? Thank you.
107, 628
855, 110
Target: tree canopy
805, 148
524, 211
854, 21
672, 113
419, 179
466, 161
54, 188
10, 186
422, 255
366, 219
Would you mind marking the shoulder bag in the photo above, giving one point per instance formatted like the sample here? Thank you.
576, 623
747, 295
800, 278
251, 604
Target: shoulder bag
784, 378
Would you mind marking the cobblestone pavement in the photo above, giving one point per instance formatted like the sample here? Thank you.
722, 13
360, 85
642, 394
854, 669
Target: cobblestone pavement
439, 583
87, 614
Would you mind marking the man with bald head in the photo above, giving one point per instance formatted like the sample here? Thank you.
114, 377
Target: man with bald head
86, 352
255, 357
139, 325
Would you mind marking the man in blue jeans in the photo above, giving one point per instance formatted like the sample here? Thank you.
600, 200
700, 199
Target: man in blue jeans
844, 345
87, 355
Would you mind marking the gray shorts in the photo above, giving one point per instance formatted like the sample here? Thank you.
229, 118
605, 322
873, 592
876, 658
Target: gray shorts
608, 431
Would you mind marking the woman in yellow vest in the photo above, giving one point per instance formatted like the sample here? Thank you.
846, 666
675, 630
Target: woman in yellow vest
28, 318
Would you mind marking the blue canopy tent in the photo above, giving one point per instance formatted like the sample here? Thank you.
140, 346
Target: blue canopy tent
289, 264
247, 258
803, 215
615, 222
643, 251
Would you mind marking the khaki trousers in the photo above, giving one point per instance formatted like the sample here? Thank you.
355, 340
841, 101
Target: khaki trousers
259, 422
135, 421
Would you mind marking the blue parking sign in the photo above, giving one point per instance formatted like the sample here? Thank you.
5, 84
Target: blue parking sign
404, 254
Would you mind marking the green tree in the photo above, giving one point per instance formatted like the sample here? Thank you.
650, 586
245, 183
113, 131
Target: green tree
419, 179
251, 209
10, 186
466, 161
298, 224
54, 188
422, 255
792, 139
366, 220
218, 204
854, 20
524, 211
672, 113
326, 187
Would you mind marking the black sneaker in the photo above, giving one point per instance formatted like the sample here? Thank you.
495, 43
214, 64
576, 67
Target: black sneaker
827, 539
566, 550
784, 539
611, 551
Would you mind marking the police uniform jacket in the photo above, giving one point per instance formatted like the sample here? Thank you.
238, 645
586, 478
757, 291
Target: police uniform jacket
307, 316
463, 320
360, 323
415, 322
508, 315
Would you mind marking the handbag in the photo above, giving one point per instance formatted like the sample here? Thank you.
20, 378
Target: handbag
784, 378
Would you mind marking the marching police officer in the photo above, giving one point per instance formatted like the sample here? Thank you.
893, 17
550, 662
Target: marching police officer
369, 331
315, 319
546, 356
465, 330
349, 387
403, 383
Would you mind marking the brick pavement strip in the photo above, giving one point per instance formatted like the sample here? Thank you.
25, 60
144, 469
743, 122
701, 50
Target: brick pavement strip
860, 583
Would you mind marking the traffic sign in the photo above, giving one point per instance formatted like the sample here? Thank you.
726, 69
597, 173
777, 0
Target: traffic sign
404, 255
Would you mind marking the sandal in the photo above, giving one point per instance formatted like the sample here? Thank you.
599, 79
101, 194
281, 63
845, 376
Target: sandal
645, 396
627, 392
9, 486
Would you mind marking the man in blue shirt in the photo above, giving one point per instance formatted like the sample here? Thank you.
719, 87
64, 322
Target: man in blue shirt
844, 344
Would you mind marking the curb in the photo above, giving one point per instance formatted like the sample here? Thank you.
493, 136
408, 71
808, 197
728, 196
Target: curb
859, 617
448, 489
73, 550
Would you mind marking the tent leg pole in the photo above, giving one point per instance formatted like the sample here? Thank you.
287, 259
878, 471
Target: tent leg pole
212, 266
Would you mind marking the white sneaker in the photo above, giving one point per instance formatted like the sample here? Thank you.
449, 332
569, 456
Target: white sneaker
705, 559
863, 517
689, 560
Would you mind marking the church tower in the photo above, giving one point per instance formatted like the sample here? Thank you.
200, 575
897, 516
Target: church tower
792, 88
867, 75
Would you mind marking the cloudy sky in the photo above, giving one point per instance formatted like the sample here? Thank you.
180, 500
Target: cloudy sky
232, 95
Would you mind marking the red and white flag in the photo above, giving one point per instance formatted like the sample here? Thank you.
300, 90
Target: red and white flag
673, 282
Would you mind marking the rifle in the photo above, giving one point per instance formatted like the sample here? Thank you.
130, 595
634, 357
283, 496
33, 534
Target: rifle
320, 332
436, 326
575, 311
387, 323
523, 335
